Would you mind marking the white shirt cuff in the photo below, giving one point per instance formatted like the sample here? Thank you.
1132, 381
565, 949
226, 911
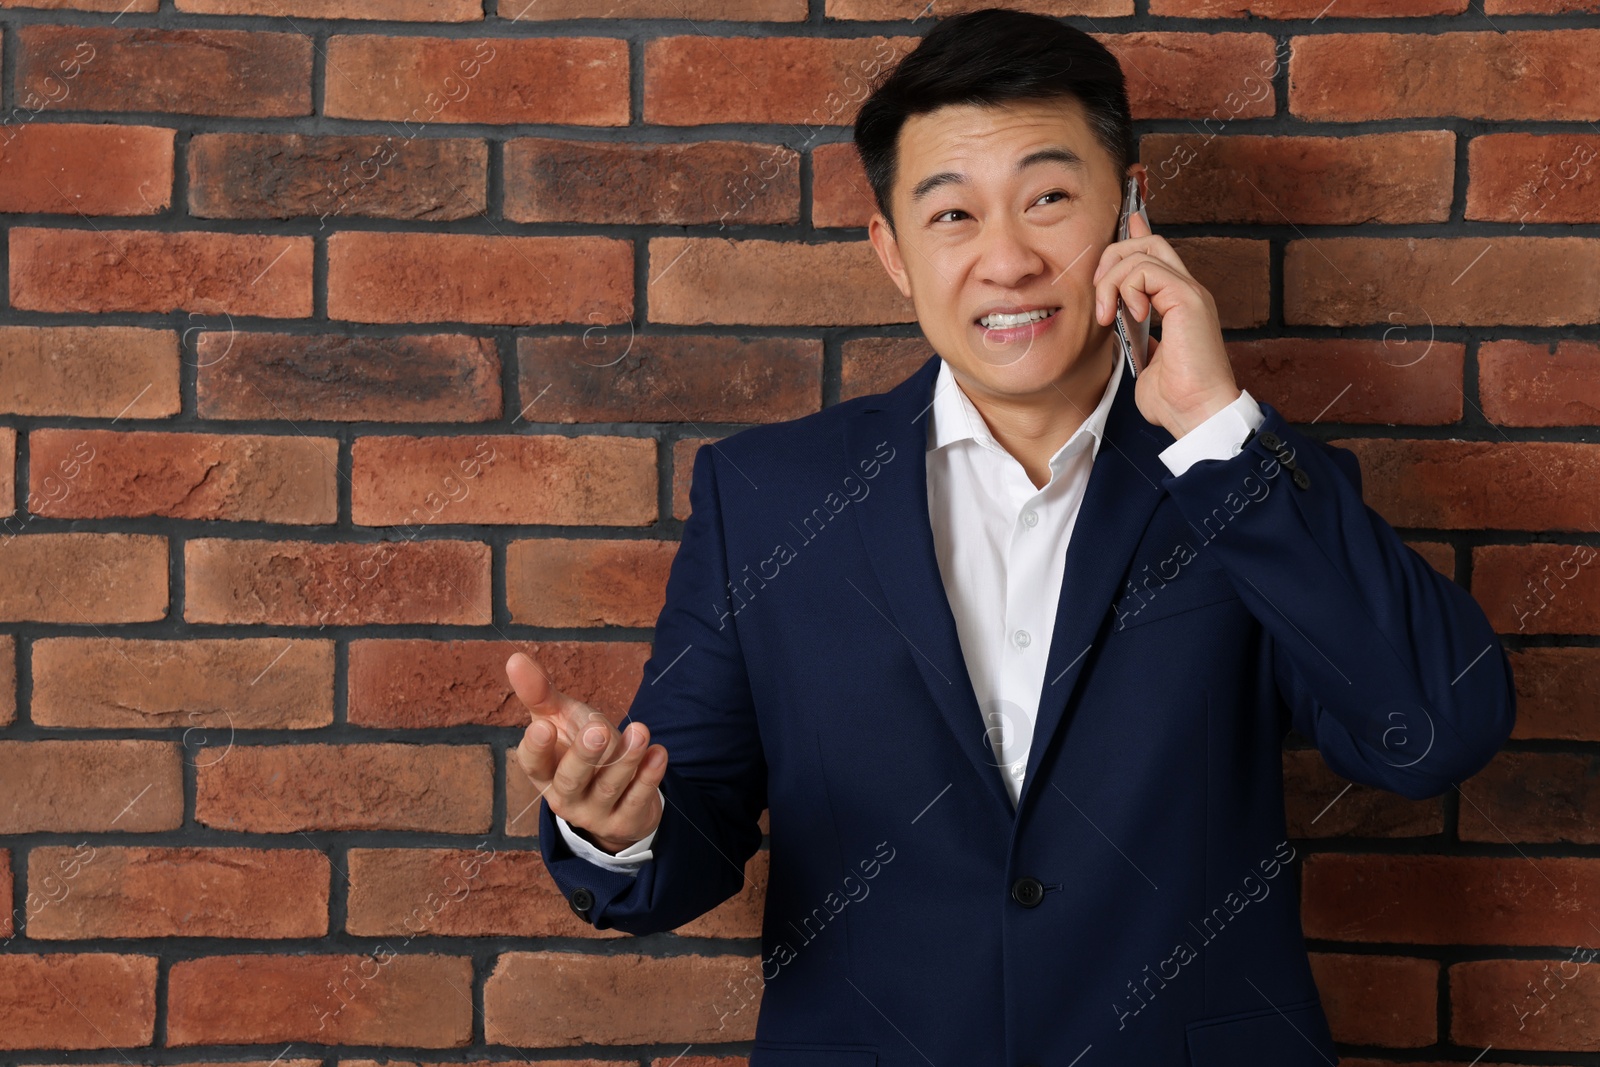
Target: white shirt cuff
627, 861
1219, 437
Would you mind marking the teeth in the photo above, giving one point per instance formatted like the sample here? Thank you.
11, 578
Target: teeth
1003, 322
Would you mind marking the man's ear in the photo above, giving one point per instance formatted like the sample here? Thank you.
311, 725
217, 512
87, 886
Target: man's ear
888, 249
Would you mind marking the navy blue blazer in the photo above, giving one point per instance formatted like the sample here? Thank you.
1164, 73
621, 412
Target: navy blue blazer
1140, 905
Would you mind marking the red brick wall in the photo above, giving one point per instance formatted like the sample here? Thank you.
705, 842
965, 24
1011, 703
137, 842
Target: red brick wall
313, 326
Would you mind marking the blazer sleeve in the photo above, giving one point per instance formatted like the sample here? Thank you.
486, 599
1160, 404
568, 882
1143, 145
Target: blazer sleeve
1389, 667
697, 701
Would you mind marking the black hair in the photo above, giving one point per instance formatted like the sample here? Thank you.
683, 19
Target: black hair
991, 57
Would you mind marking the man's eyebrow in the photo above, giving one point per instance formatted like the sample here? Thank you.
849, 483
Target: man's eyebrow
1054, 154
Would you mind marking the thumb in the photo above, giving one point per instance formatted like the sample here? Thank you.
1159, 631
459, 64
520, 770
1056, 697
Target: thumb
531, 684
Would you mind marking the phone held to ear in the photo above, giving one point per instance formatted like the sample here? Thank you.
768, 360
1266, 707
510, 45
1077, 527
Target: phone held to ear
1133, 335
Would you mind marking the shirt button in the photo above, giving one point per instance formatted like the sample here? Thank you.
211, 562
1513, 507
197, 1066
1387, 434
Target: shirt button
1022, 639
1030, 518
1018, 770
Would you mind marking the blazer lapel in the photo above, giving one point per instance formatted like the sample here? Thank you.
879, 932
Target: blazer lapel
1124, 488
1123, 491
898, 534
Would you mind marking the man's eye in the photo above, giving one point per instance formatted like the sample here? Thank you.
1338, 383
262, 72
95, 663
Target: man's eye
1055, 193
940, 217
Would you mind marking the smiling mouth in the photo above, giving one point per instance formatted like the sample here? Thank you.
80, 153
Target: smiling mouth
999, 321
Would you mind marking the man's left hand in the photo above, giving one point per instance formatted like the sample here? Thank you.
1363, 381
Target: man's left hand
1188, 377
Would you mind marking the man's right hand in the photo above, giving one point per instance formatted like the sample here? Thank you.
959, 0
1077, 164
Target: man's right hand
605, 791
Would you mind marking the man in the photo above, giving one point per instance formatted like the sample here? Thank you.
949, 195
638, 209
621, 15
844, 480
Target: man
1017, 718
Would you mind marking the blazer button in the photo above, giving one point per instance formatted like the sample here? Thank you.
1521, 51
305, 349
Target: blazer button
1301, 478
1271, 440
582, 900
1027, 891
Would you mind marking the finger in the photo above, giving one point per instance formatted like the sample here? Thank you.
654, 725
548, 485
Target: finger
576, 768
639, 799
539, 695
611, 782
539, 751
1136, 279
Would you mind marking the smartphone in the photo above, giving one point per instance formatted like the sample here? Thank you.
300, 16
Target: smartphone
1133, 335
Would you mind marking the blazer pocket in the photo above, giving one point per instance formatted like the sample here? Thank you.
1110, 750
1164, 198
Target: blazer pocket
767, 1055
1183, 593
1292, 1035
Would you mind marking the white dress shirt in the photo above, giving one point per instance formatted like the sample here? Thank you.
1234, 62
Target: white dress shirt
1001, 544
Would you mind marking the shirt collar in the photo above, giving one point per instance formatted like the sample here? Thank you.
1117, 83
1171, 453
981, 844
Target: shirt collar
953, 417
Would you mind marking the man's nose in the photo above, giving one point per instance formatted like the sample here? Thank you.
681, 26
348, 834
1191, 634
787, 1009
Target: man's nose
1008, 256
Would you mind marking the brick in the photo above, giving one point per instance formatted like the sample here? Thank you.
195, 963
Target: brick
455, 277
1493, 900
433, 893
1532, 796
96, 372
1460, 485
1343, 281
696, 79
179, 892
1535, 7
915, 10
8, 923
1320, 804
101, 270
80, 578
590, 480
282, 478
90, 786
1379, 177
840, 193
210, 686
697, 10
603, 378
579, 81
304, 583
683, 471
1440, 556
1527, 1004
1217, 77
389, 11
558, 581
8, 470
1351, 77
8, 688
696, 281
68, 168
1539, 588
280, 176
729, 182
347, 378
1526, 383
539, 999
187, 72
1235, 271
387, 998
414, 684
871, 365
81, 1000
1378, 1000
1303, 9
118, 6
1407, 378
1558, 693
280, 789
1533, 179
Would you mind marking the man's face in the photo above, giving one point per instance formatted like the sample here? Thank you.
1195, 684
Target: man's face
1005, 209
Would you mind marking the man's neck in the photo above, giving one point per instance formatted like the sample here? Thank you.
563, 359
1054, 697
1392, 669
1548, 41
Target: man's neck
1033, 428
